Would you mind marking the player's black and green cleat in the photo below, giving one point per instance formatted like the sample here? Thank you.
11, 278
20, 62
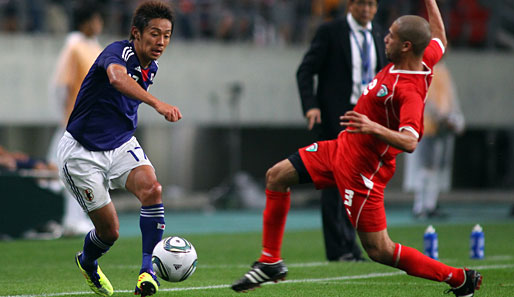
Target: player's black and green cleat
147, 285
472, 282
96, 280
259, 274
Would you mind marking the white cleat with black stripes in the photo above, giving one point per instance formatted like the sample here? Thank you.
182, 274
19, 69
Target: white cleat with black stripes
259, 274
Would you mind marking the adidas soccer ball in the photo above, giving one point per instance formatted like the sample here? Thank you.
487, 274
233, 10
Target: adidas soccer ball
174, 259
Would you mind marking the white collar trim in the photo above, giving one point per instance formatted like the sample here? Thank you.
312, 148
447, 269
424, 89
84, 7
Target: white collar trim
392, 70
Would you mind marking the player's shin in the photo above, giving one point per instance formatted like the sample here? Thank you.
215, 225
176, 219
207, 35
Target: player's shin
274, 222
94, 248
417, 264
151, 223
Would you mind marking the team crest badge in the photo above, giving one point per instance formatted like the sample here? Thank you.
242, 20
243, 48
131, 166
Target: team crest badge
89, 194
312, 148
383, 91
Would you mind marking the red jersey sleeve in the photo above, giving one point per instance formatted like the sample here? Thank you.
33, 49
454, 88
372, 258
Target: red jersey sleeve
434, 52
411, 113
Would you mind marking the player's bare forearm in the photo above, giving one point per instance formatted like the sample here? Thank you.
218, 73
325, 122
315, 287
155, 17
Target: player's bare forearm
436, 21
359, 123
125, 84
404, 140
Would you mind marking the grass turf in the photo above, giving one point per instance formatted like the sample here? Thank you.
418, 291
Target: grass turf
46, 268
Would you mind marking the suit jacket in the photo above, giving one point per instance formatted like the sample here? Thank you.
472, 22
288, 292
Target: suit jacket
330, 57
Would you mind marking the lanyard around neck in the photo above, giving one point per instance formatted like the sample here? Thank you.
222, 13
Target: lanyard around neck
365, 55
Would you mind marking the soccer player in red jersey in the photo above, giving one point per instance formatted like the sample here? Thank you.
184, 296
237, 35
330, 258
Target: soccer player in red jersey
387, 120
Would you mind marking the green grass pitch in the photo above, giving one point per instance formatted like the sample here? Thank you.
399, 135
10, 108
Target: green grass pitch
46, 268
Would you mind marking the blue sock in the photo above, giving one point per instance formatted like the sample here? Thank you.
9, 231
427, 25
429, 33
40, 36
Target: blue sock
93, 249
151, 222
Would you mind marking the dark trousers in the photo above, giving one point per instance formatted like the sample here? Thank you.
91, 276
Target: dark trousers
339, 233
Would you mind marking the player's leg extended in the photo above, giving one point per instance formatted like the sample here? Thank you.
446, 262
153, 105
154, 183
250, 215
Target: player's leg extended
278, 180
96, 243
142, 182
270, 267
86, 182
382, 249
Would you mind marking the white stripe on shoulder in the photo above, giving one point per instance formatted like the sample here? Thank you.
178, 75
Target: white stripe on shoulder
440, 44
127, 53
410, 129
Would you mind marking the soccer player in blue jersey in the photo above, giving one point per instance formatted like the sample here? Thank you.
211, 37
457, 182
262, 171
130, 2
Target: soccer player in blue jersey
99, 152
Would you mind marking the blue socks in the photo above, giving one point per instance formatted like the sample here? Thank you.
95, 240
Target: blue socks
151, 223
93, 249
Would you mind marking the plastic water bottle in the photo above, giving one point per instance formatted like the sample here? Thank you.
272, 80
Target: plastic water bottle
476, 243
430, 243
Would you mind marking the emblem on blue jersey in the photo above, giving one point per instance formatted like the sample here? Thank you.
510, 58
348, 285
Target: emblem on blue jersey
312, 148
383, 91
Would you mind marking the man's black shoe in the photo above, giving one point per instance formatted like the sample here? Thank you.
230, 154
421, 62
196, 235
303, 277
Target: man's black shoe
472, 282
259, 274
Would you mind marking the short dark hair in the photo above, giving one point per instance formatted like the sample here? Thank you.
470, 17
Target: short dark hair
150, 10
84, 12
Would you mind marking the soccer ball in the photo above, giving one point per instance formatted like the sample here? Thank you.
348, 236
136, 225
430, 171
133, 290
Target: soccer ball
174, 259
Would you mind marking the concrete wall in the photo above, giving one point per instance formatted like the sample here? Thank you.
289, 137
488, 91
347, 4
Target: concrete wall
198, 78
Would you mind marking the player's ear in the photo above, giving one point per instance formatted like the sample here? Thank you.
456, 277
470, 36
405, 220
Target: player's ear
135, 33
406, 46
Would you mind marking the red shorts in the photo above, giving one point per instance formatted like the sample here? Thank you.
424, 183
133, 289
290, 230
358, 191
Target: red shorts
362, 197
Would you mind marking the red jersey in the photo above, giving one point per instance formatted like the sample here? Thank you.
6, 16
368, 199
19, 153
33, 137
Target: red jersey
394, 99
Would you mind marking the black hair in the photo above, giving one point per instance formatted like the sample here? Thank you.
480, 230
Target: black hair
85, 12
150, 10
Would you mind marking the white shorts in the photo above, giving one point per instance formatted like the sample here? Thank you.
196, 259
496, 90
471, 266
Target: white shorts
89, 175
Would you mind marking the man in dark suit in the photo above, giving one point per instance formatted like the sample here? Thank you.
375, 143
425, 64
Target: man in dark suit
345, 55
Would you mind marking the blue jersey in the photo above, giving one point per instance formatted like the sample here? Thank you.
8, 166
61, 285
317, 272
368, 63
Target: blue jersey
103, 118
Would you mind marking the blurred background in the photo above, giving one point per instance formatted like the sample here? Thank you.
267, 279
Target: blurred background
230, 68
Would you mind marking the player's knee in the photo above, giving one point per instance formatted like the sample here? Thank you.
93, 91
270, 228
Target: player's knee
273, 178
151, 193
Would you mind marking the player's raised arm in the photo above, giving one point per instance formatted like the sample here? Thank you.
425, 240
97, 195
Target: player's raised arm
436, 21
125, 84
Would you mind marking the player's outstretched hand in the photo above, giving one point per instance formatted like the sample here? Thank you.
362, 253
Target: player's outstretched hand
171, 113
358, 123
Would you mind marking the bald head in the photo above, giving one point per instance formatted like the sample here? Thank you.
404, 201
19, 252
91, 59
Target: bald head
416, 30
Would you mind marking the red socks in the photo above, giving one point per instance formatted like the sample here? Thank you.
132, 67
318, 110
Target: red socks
405, 258
417, 264
274, 223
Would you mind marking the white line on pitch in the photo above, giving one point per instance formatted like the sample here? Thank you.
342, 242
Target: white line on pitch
308, 264
308, 280
207, 266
